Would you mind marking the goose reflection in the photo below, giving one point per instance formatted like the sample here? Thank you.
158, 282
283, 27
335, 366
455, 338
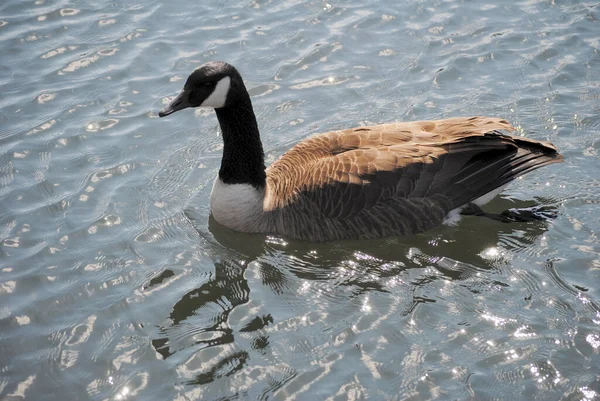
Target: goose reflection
212, 302
202, 318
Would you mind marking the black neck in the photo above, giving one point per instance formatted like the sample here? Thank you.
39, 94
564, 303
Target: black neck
243, 157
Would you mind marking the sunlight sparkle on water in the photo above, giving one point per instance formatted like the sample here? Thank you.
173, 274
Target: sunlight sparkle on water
365, 305
521, 332
304, 287
588, 394
498, 321
511, 354
122, 394
541, 376
491, 253
593, 340
583, 299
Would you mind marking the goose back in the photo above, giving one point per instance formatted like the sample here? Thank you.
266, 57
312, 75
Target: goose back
393, 179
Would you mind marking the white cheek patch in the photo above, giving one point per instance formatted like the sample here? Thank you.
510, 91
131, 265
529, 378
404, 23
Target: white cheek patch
219, 95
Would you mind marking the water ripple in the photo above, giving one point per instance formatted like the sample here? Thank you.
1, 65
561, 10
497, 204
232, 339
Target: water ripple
116, 284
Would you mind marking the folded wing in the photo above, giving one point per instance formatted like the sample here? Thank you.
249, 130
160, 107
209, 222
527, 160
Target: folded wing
428, 167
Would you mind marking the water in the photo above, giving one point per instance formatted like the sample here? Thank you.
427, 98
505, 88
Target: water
108, 292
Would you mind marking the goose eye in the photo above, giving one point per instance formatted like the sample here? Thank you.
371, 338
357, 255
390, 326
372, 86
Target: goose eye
207, 84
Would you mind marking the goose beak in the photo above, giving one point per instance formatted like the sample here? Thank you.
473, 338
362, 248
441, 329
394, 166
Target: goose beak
180, 102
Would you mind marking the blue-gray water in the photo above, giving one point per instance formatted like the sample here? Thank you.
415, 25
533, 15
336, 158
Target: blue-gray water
108, 291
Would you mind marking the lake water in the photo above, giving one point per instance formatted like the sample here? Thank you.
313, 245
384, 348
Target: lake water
109, 292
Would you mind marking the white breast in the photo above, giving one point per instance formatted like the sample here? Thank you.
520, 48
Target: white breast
237, 206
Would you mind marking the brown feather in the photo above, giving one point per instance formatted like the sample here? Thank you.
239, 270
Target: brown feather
398, 178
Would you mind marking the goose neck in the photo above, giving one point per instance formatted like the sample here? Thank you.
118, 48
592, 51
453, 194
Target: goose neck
243, 155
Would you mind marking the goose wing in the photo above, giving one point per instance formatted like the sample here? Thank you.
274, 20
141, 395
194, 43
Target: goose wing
438, 164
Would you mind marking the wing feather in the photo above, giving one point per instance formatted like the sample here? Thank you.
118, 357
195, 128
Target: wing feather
401, 169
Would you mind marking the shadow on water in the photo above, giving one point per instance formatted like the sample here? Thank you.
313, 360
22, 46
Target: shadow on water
199, 320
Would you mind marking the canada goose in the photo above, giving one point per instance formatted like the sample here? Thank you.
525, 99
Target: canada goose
366, 182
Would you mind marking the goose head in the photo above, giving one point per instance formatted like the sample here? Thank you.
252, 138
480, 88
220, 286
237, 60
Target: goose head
215, 84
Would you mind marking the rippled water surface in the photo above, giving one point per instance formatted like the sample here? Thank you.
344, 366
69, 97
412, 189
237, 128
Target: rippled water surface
109, 292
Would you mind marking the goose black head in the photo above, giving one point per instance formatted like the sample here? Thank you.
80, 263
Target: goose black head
215, 84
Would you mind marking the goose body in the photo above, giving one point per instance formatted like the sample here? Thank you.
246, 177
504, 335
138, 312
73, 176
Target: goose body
365, 182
